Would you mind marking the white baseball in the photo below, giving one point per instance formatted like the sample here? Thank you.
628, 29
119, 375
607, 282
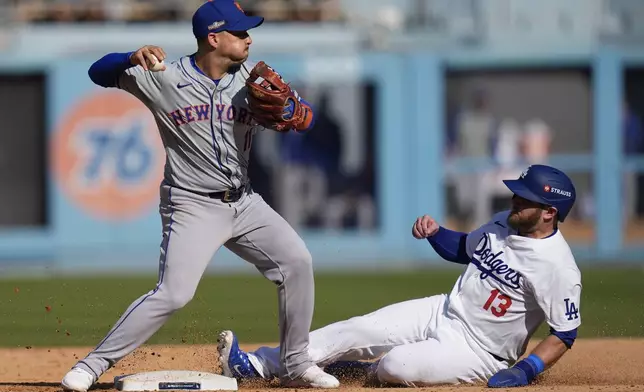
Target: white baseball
157, 65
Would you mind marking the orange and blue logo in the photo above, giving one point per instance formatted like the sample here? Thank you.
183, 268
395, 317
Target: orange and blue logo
107, 155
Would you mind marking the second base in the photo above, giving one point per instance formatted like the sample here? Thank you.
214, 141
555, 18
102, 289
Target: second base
168, 380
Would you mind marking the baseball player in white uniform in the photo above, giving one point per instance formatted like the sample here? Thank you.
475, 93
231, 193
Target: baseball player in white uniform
519, 272
200, 105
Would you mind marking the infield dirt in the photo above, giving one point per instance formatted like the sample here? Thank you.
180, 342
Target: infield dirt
592, 365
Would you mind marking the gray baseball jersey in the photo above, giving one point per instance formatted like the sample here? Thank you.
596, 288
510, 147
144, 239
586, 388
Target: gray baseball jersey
205, 126
207, 134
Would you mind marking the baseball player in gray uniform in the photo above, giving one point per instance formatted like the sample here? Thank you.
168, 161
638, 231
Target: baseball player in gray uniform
200, 106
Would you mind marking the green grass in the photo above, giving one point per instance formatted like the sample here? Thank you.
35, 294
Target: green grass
79, 311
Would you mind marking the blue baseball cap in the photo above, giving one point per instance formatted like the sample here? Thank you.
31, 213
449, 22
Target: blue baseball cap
222, 15
546, 185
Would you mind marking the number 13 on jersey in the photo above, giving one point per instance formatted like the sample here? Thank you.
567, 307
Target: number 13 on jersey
498, 303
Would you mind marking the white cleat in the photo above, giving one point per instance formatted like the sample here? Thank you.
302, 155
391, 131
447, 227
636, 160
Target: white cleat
314, 377
77, 380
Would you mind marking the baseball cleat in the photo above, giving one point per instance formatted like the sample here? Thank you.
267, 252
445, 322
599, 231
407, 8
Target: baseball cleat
313, 377
77, 380
234, 362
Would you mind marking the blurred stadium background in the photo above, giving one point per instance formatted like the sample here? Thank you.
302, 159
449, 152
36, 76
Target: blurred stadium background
424, 106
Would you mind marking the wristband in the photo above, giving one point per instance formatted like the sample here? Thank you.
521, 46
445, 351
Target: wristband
532, 366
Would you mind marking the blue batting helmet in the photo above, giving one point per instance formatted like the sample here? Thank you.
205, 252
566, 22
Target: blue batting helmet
546, 185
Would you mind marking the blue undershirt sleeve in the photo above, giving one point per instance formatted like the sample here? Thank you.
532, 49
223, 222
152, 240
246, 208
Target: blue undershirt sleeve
567, 337
106, 71
450, 245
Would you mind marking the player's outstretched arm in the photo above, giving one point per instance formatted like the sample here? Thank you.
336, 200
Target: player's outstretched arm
450, 245
546, 354
559, 300
106, 71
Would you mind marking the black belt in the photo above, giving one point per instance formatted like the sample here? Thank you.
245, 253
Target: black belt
227, 196
498, 358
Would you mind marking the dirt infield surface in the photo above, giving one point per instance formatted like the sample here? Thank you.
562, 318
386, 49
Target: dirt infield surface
592, 365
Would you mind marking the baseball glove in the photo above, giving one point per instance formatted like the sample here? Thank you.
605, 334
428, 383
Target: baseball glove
269, 97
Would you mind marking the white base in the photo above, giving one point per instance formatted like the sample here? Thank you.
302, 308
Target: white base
172, 380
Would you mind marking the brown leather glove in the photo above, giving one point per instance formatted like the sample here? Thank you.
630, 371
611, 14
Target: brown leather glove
269, 96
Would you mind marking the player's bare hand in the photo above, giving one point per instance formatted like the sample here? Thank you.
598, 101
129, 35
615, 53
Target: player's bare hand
425, 226
145, 56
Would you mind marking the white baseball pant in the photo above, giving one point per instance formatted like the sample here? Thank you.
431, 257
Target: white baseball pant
418, 345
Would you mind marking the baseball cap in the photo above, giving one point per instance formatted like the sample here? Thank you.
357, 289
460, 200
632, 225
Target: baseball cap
547, 185
222, 15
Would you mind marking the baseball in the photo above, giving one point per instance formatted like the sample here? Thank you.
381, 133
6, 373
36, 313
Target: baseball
157, 65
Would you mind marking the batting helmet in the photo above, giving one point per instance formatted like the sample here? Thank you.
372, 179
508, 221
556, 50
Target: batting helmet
546, 185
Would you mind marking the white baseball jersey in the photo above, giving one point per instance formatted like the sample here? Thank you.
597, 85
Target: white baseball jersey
512, 284
205, 126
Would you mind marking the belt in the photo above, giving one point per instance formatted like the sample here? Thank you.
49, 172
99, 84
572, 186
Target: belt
227, 196
498, 358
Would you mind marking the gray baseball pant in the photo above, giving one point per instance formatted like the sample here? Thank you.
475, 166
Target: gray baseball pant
194, 228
